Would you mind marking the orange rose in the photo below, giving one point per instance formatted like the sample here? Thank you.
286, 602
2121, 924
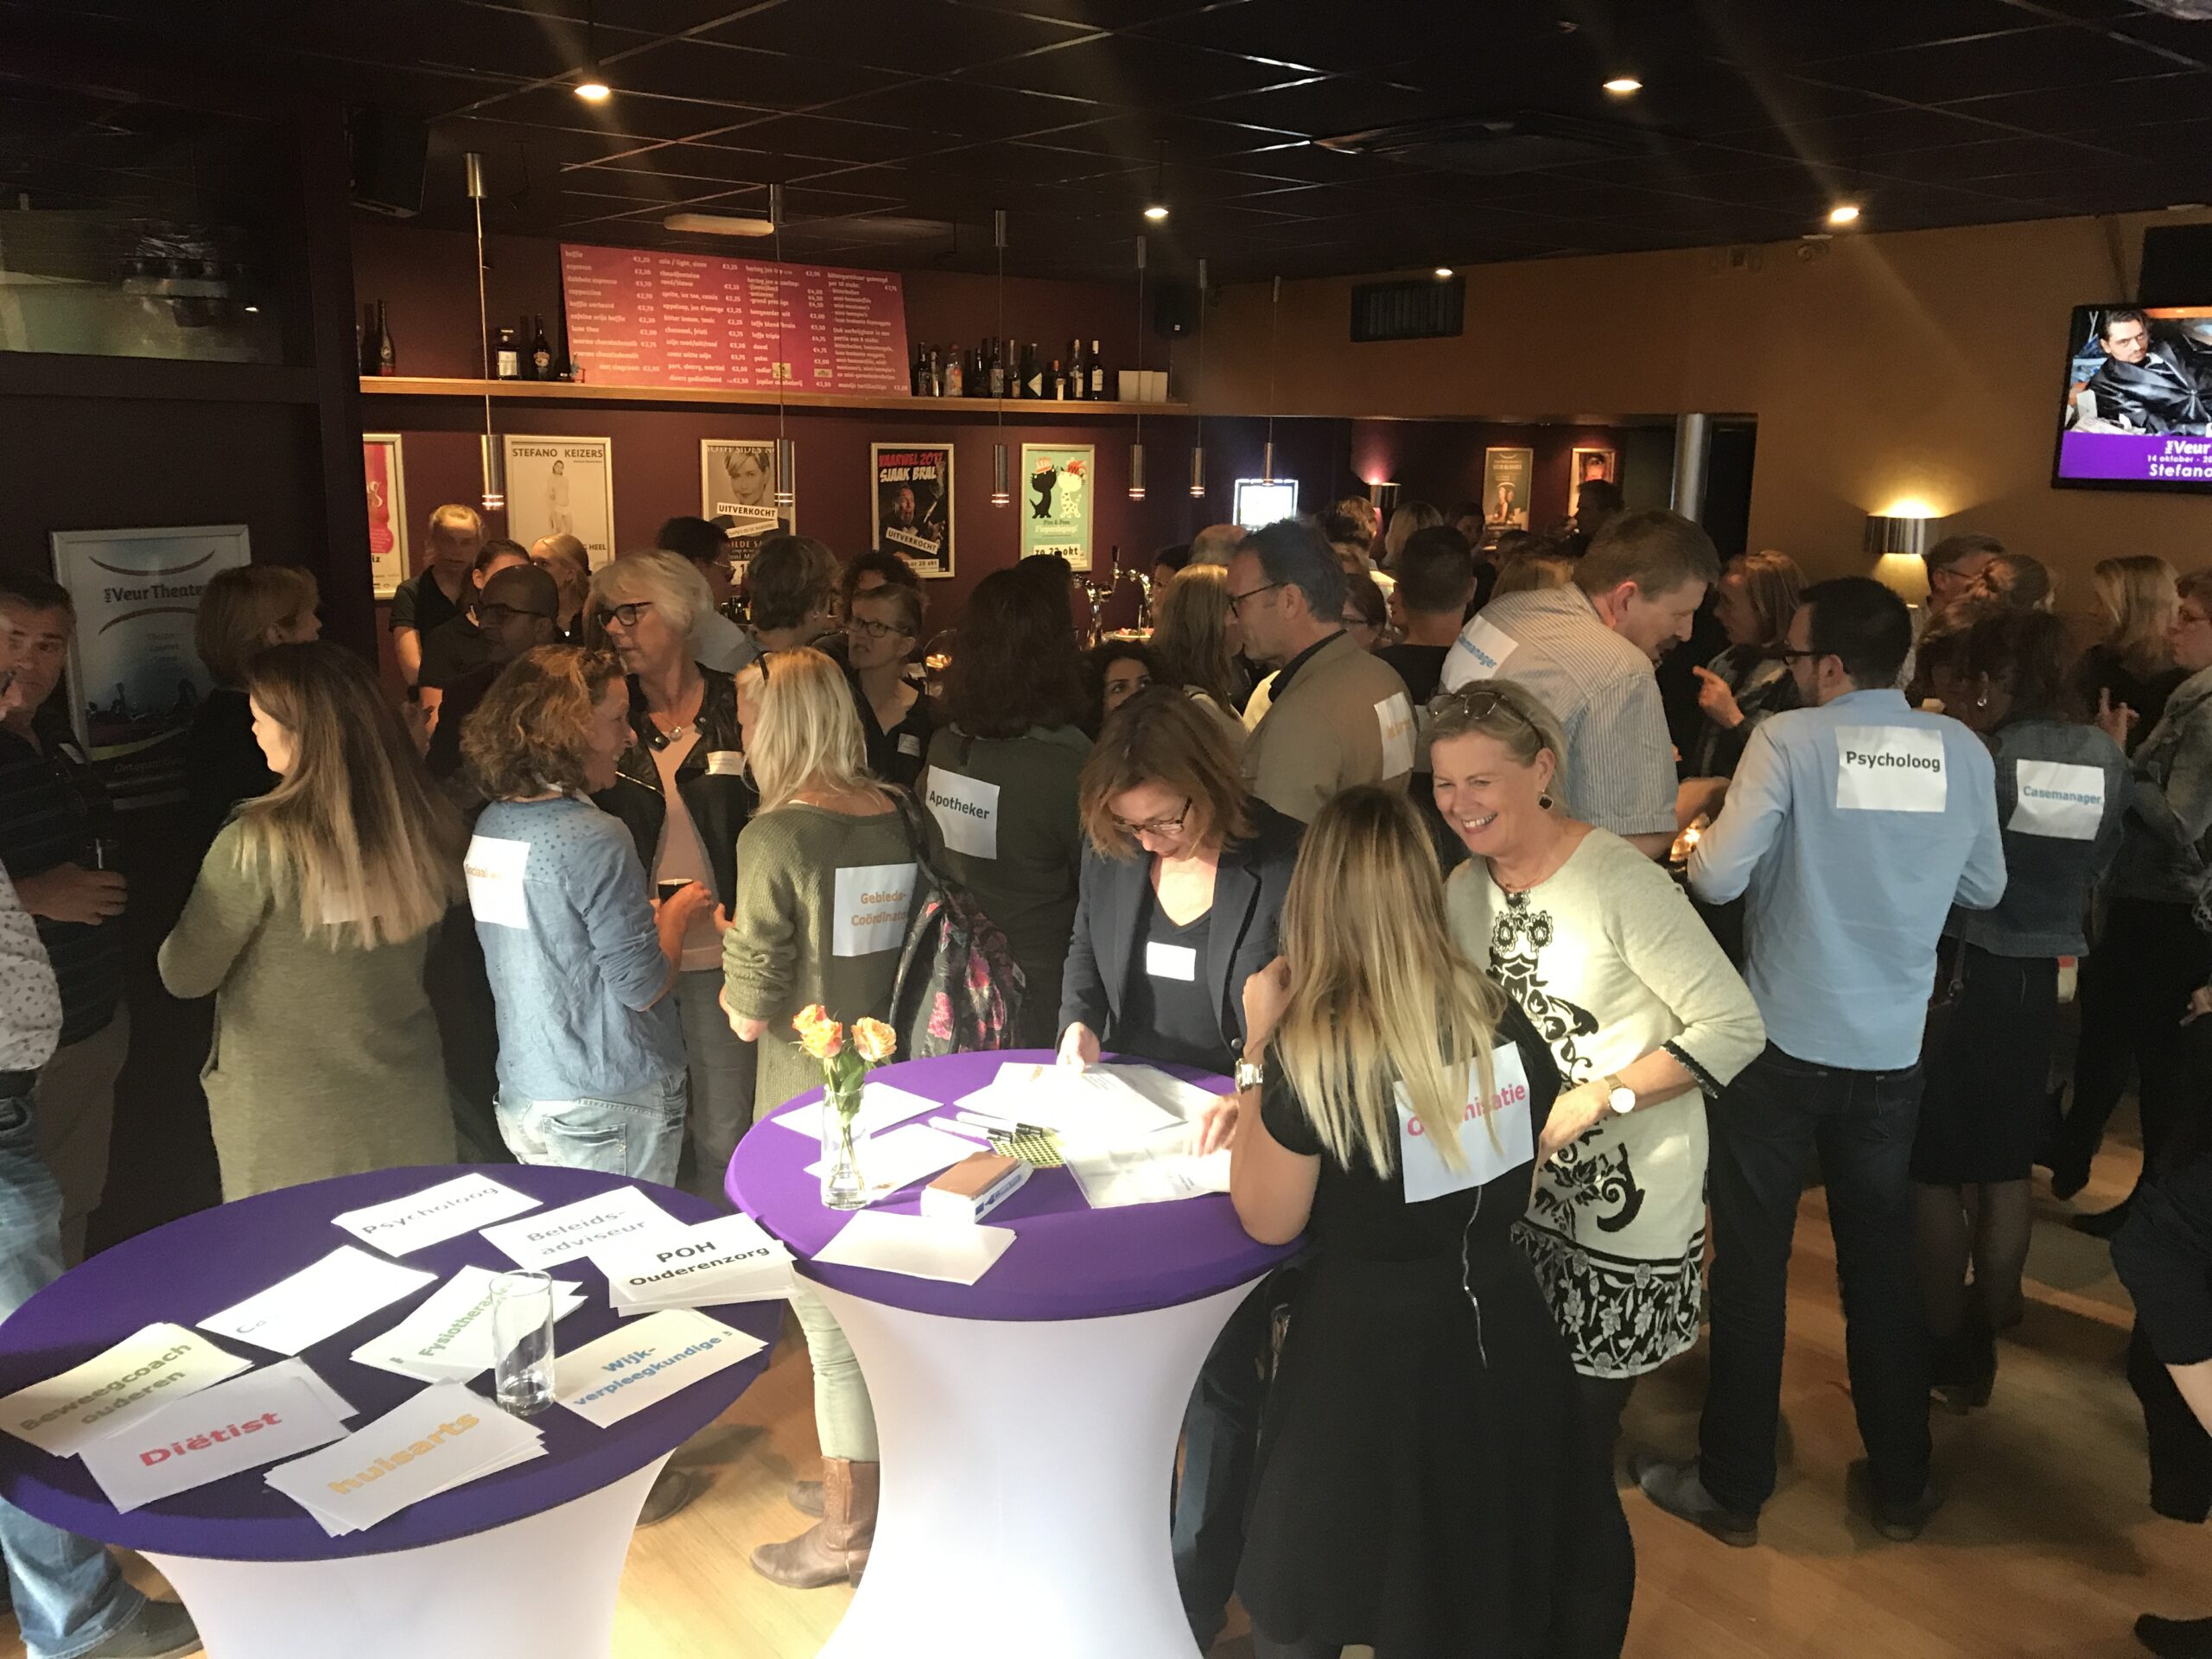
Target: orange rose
818, 1035
876, 1041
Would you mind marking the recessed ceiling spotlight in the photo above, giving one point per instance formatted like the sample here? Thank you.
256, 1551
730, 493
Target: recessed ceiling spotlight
1442, 271
591, 88
1843, 213
1157, 212
1155, 207
1624, 85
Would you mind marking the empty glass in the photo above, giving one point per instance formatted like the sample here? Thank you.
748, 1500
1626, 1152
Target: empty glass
521, 1338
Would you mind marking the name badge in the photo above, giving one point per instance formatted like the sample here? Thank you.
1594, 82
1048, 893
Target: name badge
873, 900
725, 763
1428, 1176
967, 812
1170, 961
494, 868
1393, 718
1479, 653
2058, 800
1889, 769
909, 744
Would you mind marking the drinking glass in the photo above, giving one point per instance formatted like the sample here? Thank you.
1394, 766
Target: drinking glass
521, 1338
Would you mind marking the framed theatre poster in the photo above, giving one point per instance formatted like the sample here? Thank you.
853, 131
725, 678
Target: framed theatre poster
737, 490
1589, 464
562, 486
381, 460
1506, 474
135, 676
913, 504
1056, 479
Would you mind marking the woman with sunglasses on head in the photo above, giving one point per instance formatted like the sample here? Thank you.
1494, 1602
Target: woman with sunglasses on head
681, 792
1642, 1010
883, 626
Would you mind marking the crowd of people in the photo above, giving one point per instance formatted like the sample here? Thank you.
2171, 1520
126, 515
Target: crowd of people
1539, 985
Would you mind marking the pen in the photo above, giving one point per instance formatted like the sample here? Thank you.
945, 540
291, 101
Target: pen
966, 1131
1003, 1125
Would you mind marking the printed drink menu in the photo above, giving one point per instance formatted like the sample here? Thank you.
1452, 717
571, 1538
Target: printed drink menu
638, 317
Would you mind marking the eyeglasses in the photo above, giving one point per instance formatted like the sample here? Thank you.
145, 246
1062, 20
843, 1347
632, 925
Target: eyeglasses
496, 614
858, 628
1155, 826
627, 615
1354, 620
1477, 702
1789, 653
1235, 599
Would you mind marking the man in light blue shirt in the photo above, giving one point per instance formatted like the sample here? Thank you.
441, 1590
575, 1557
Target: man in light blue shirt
1852, 825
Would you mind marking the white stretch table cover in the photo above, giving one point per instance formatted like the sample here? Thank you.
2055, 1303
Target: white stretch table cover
541, 1587
1027, 1471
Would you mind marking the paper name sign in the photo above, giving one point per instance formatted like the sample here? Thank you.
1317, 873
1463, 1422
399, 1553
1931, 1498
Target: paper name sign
882, 1104
725, 763
343, 1289
645, 1363
729, 1248
1889, 769
494, 870
2058, 799
580, 1228
921, 1247
1170, 961
115, 1390
442, 1438
449, 1338
967, 812
1393, 718
1428, 1176
251, 1420
872, 900
1479, 653
435, 1214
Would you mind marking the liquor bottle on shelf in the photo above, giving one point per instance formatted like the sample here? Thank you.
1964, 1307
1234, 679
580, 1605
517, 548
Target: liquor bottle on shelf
917, 377
1098, 374
998, 368
955, 374
1078, 375
979, 377
506, 357
387, 359
541, 352
1056, 385
1032, 373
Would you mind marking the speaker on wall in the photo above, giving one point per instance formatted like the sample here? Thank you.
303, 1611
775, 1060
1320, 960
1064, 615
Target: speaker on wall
2177, 266
389, 152
1175, 310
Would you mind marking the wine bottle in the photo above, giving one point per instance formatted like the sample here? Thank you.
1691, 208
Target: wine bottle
387, 359
1032, 373
506, 357
1098, 373
979, 382
955, 372
1079, 376
541, 352
918, 378
1057, 385
998, 368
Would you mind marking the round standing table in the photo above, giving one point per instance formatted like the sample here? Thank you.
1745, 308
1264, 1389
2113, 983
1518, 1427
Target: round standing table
524, 1561
1028, 1421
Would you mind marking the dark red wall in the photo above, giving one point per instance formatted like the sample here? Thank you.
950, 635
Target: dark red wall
1442, 462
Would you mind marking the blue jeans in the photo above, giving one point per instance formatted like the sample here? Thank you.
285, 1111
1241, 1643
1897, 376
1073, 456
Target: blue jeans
1777, 1110
70, 1597
639, 1134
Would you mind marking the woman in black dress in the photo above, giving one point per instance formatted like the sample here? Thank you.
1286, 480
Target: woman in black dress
1422, 1488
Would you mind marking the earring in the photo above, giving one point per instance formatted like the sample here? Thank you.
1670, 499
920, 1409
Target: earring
1545, 801
1982, 701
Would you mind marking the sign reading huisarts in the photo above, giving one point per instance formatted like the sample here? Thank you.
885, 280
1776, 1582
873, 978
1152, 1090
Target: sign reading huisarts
913, 504
134, 677
1055, 500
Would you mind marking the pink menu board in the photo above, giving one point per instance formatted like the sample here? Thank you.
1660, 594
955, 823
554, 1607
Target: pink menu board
642, 318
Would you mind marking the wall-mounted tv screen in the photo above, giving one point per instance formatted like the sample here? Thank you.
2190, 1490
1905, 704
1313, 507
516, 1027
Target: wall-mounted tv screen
1261, 501
2138, 410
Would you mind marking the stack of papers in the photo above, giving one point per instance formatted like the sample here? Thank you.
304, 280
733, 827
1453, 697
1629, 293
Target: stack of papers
921, 1247
398, 1226
449, 1338
643, 1363
115, 1390
444, 1437
1099, 1106
295, 1312
1160, 1169
905, 1155
250, 1420
579, 1229
730, 1259
881, 1106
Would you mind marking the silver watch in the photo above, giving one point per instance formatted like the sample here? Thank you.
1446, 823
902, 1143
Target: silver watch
1250, 1074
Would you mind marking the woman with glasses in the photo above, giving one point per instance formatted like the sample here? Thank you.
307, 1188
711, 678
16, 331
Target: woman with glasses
2149, 956
1643, 1016
1367, 611
1195, 640
883, 624
681, 792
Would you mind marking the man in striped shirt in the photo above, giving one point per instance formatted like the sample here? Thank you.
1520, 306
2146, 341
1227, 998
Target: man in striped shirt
1588, 649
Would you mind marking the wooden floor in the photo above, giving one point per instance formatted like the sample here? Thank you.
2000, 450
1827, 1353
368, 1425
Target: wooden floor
2047, 1547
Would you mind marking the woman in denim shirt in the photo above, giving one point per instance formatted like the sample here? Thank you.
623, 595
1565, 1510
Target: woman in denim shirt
2062, 792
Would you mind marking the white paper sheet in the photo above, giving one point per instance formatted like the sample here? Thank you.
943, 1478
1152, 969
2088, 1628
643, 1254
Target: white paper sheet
912, 1154
729, 1260
645, 1363
578, 1229
399, 1226
1096, 1106
258, 1418
444, 1437
116, 1389
299, 1371
882, 1105
921, 1247
320, 1301
449, 1338
1185, 1101
1163, 1169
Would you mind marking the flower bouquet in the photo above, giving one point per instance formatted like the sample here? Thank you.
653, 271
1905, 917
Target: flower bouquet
844, 1068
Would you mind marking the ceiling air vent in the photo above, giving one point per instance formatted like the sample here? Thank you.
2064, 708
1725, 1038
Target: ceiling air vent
1513, 141
1427, 307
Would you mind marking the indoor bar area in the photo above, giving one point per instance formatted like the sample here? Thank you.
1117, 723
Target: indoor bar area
1105, 830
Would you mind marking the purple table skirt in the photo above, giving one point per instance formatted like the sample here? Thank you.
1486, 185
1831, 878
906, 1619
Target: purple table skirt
1069, 1261
204, 1263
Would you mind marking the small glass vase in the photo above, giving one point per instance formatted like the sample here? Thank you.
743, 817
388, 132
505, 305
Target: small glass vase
842, 1185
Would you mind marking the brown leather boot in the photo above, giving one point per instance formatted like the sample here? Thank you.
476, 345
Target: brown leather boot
835, 1549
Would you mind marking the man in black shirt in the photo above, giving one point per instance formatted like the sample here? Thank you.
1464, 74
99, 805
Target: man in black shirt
435, 596
456, 645
1436, 578
520, 609
53, 809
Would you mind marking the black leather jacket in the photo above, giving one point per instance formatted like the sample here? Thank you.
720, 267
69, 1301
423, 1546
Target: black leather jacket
716, 789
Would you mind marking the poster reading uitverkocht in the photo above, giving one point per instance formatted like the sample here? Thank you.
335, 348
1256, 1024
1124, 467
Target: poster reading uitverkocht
913, 504
1056, 479
135, 679
737, 490
562, 487
380, 460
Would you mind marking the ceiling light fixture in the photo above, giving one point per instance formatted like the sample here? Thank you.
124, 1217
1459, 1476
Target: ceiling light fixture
1136, 448
491, 453
1843, 213
1443, 271
1199, 447
1000, 495
1157, 212
1156, 209
718, 225
591, 86
786, 486
1624, 85
1274, 333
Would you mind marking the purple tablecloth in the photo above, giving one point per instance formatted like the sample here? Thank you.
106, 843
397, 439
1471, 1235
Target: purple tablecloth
1069, 1261
204, 1263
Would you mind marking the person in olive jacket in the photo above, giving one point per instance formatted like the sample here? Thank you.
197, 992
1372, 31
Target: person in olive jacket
683, 794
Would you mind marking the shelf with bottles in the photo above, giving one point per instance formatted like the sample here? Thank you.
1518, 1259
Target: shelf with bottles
1045, 411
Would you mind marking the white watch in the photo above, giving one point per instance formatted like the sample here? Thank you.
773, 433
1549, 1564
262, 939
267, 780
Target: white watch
1619, 1096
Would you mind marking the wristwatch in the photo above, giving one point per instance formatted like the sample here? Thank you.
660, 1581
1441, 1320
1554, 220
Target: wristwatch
1619, 1096
1250, 1074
